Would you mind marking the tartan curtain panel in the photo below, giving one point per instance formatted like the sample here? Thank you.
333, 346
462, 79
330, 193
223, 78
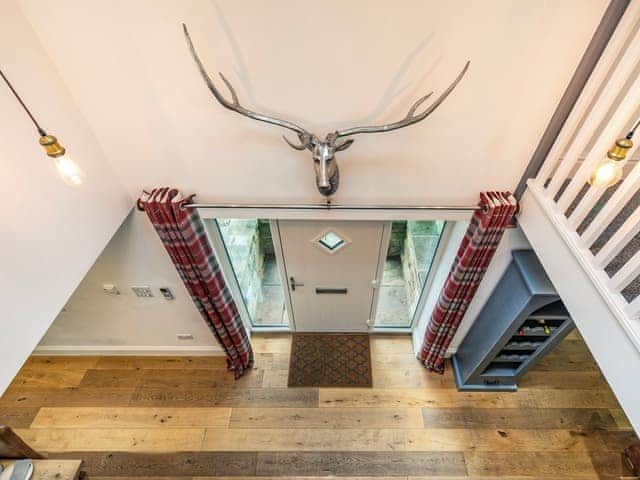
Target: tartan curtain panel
474, 256
183, 235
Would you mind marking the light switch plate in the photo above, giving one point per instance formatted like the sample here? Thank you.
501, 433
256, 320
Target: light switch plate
142, 291
110, 288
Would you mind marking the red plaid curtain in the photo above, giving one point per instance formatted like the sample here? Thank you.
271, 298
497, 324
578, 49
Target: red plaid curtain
183, 235
474, 255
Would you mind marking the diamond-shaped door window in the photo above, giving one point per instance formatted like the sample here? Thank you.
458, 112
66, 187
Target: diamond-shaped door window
331, 241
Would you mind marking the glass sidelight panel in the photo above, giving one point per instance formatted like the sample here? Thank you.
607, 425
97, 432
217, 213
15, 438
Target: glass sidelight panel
250, 249
412, 249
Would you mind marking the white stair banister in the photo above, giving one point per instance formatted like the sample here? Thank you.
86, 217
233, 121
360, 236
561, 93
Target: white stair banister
613, 206
619, 240
634, 308
614, 48
597, 115
627, 273
584, 206
614, 128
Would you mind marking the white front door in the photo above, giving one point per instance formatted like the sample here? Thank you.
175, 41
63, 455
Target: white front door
331, 268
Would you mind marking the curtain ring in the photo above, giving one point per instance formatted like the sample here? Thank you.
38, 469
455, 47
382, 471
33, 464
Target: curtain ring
185, 202
139, 204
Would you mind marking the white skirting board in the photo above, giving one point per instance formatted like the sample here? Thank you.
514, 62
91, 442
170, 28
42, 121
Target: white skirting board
142, 350
613, 350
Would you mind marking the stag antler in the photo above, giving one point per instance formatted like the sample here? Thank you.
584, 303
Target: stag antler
234, 104
306, 138
410, 118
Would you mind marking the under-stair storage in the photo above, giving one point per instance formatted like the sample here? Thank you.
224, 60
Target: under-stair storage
521, 321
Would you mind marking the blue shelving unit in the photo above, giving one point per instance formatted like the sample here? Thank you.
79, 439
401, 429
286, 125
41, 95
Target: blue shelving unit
522, 320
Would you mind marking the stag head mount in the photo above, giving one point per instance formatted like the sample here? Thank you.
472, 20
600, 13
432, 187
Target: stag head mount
323, 150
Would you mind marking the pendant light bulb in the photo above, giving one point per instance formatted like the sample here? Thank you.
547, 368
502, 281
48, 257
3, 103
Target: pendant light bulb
68, 170
609, 171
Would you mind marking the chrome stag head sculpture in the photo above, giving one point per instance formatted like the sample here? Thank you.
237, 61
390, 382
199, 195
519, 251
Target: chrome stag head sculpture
323, 150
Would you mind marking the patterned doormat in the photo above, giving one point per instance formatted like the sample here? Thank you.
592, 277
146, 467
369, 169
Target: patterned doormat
330, 360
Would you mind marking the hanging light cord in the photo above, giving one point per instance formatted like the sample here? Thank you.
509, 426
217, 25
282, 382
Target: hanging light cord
632, 131
13, 90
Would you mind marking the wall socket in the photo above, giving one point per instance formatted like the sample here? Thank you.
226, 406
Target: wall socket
142, 291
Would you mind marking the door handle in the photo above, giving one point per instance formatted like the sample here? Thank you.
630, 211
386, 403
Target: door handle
294, 284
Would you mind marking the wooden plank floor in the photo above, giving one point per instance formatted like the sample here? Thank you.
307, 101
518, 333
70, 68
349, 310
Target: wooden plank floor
185, 417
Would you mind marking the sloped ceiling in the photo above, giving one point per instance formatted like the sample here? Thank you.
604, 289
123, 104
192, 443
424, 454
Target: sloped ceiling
324, 65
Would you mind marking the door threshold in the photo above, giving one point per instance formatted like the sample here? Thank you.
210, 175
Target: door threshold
374, 331
265, 329
392, 330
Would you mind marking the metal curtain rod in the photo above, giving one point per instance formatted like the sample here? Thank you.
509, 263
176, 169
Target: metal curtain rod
329, 206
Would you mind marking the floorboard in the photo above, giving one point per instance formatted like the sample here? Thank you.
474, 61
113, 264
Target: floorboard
309, 418
531, 419
563, 380
227, 397
184, 418
118, 439
536, 464
177, 464
449, 398
112, 378
196, 379
130, 417
17, 417
361, 463
17, 395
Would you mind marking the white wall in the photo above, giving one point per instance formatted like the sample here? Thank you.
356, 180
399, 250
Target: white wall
96, 322
50, 233
513, 239
327, 65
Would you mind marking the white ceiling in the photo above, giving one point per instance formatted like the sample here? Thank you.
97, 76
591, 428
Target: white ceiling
325, 65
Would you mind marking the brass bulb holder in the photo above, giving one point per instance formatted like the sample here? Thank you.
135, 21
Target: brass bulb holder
619, 150
51, 146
